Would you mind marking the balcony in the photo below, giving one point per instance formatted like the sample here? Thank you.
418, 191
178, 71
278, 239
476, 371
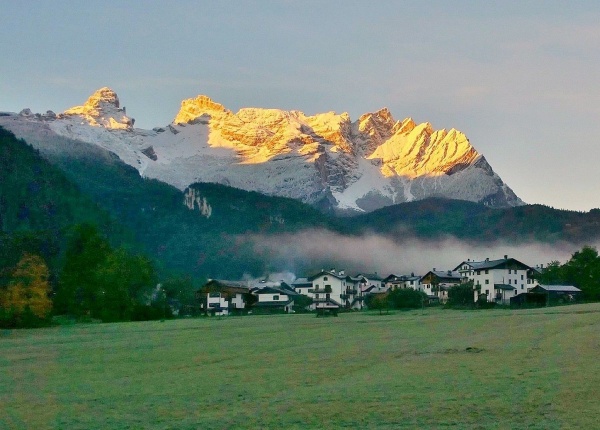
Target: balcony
351, 291
317, 290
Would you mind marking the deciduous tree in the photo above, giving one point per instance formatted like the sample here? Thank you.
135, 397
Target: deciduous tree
25, 300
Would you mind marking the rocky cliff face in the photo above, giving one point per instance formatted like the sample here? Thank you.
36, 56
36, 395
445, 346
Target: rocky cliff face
326, 159
102, 109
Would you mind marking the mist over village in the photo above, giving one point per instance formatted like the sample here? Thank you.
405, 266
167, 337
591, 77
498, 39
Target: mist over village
299, 215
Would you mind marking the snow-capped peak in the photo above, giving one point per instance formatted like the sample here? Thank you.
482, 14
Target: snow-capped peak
102, 110
193, 110
324, 159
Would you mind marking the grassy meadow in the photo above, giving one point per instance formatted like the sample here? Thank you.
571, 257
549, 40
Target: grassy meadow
504, 369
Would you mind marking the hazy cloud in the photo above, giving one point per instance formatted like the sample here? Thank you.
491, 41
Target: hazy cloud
313, 250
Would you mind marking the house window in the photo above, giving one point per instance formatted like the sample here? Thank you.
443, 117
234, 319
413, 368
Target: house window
324, 278
479, 272
327, 296
487, 281
515, 292
275, 298
522, 286
487, 292
509, 271
487, 271
522, 277
317, 296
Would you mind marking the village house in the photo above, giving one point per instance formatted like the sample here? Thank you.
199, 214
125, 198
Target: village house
327, 289
277, 298
532, 274
302, 286
495, 280
353, 296
392, 282
220, 297
411, 281
332, 290
436, 283
372, 282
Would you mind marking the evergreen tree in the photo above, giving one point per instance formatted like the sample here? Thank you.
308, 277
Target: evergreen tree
583, 270
79, 292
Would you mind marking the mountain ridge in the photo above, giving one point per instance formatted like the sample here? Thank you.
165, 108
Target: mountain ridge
213, 230
326, 159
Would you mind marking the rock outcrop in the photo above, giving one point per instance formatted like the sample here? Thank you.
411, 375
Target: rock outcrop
102, 109
326, 160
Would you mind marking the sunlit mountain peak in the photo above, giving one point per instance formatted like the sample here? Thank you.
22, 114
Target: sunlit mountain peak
102, 109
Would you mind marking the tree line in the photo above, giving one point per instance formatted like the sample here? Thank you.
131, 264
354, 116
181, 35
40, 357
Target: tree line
582, 270
87, 280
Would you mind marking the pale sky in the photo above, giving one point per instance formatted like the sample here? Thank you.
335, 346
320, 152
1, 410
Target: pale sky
520, 78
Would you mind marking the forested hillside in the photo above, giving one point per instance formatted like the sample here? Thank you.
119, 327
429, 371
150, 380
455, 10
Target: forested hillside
61, 253
476, 223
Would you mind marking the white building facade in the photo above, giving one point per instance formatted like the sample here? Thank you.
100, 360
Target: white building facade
496, 280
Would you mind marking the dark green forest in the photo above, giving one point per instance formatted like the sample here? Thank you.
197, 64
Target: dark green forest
57, 242
73, 222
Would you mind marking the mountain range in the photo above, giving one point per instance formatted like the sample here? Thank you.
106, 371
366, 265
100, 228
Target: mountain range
326, 160
90, 165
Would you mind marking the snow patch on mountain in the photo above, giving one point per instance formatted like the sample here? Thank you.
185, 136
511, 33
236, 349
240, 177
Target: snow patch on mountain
324, 159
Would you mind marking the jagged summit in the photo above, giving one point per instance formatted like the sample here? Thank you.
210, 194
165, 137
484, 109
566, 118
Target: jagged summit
102, 109
326, 159
193, 109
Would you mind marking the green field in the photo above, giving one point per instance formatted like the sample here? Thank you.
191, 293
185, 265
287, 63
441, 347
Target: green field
534, 369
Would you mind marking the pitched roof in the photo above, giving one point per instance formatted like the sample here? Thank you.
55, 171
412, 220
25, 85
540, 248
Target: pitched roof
214, 285
560, 288
446, 275
502, 263
276, 290
370, 276
355, 279
505, 287
326, 273
374, 290
301, 282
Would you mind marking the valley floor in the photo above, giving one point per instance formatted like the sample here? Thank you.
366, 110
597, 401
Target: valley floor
535, 369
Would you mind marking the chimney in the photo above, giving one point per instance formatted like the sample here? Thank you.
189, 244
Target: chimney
412, 273
487, 259
449, 272
434, 269
342, 273
506, 257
